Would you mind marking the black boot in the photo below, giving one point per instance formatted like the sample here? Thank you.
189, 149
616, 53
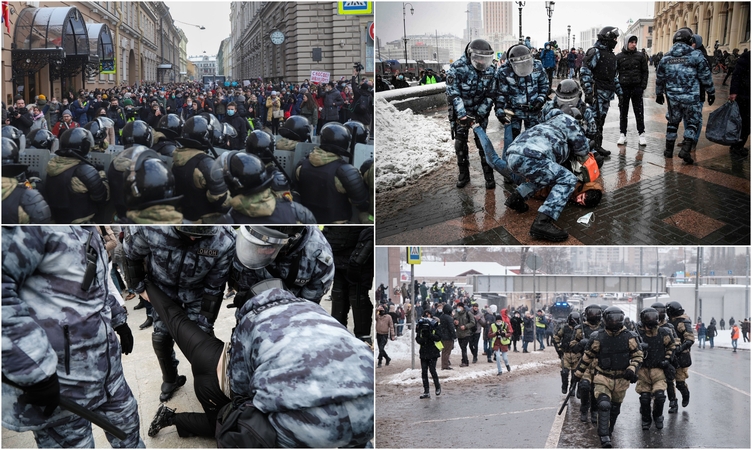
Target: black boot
673, 406
488, 172
516, 202
141, 304
171, 381
388, 360
645, 410
682, 387
163, 418
460, 149
149, 322
509, 369
660, 400
464, 176
564, 381
426, 394
669, 152
599, 147
684, 153
543, 228
437, 384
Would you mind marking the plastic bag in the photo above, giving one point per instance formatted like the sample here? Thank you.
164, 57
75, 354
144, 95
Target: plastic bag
724, 124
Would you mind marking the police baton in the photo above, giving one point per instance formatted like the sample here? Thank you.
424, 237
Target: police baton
278, 165
571, 390
92, 416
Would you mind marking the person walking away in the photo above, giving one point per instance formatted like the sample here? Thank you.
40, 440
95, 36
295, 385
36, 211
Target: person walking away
731, 64
711, 333
384, 329
631, 81
448, 334
739, 93
723, 324
701, 334
745, 330
430, 350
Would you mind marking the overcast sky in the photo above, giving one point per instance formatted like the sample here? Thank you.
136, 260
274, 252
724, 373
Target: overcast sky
450, 17
215, 16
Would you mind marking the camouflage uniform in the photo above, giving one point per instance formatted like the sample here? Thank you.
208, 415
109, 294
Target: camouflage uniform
537, 155
519, 94
304, 370
685, 340
266, 207
157, 214
50, 325
470, 93
588, 113
651, 378
680, 75
599, 81
585, 387
307, 269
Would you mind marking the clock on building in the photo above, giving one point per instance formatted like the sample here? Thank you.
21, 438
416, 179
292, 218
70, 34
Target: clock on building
278, 37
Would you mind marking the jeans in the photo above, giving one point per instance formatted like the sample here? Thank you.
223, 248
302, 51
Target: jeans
734, 343
499, 355
524, 345
711, 342
571, 73
539, 337
487, 348
701, 344
463, 346
382, 339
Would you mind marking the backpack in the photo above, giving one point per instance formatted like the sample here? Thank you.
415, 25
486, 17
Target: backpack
361, 107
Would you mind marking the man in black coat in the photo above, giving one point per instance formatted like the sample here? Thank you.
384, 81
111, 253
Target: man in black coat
739, 93
239, 123
516, 329
448, 335
20, 117
632, 79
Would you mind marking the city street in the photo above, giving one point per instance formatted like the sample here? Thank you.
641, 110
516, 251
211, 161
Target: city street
518, 409
647, 199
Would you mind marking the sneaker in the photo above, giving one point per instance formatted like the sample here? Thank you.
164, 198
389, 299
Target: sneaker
163, 418
622, 139
643, 141
438, 391
425, 395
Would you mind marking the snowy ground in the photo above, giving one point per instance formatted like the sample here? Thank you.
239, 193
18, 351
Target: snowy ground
410, 146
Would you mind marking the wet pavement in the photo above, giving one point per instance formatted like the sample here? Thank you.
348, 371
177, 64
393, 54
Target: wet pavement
518, 410
648, 200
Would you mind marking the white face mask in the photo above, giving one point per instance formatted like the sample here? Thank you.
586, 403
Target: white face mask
189, 103
498, 324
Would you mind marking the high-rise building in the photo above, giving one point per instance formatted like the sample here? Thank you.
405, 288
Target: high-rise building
474, 29
497, 18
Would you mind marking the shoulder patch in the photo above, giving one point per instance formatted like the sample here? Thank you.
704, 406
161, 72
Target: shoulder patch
325, 257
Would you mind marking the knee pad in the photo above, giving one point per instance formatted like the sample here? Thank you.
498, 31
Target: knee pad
660, 396
645, 397
680, 385
604, 403
584, 387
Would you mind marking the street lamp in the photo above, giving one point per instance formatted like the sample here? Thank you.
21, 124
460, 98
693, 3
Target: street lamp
200, 27
404, 29
521, 5
550, 12
569, 30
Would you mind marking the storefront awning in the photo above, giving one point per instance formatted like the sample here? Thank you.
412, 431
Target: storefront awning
101, 50
164, 66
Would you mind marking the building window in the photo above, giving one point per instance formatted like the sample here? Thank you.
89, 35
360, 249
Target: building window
650, 30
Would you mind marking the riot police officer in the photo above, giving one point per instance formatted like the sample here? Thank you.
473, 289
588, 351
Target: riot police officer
75, 189
680, 75
683, 326
328, 185
169, 128
582, 334
15, 135
671, 371
202, 195
149, 189
618, 356
568, 93
563, 345
522, 88
98, 128
651, 378
470, 91
352, 248
597, 75
41, 139
21, 203
295, 129
137, 132
190, 264
262, 144
358, 131
251, 197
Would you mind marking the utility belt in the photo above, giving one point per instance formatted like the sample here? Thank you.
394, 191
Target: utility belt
608, 374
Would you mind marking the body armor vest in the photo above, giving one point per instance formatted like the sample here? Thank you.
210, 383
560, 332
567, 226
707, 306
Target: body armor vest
656, 349
605, 71
614, 351
319, 194
684, 359
66, 205
566, 338
194, 203
11, 204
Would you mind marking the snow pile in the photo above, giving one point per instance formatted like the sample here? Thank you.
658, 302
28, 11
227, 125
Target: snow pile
410, 146
411, 377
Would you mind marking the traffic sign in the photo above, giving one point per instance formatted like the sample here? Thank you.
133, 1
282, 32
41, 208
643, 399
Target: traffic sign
371, 31
534, 261
712, 272
730, 272
413, 255
354, 8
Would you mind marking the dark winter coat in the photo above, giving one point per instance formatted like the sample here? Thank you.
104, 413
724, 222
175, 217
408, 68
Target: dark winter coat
632, 68
528, 332
428, 349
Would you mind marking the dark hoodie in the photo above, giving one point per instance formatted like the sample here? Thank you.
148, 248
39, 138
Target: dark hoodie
446, 325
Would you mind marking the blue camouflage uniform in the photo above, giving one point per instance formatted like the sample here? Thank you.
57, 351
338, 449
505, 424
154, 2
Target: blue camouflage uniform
537, 155
471, 93
308, 373
588, 113
522, 95
599, 78
680, 74
50, 325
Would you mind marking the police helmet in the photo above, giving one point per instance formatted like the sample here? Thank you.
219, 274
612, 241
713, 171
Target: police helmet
40, 139
243, 173
98, 129
520, 59
257, 246
171, 125
480, 54
608, 36
572, 111
296, 128
335, 138
614, 318
149, 182
568, 92
261, 144
661, 308
593, 314
573, 319
137, 132
674, 309
199, 129
649, 317
14, 134
196, 231
685, 35
229, 131
11, 167
294, 233
358, 131
217, 136
76, 140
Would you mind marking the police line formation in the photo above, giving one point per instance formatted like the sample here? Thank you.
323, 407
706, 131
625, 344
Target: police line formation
601, 355
559, 154
174, 174
291, 375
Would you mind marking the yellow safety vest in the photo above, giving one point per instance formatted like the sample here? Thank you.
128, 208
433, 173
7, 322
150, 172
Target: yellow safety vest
538, 323
505, 340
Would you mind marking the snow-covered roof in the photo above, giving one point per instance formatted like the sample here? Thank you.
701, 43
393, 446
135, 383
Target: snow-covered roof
436, 270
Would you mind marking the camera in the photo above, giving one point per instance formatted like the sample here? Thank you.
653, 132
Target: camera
358, 67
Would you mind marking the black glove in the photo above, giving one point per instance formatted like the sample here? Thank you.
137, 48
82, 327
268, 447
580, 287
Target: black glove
630, 375
99, 167
575, 380
45, 393
126, 338
589, 99
537, 105
711, 98
560, 353
659, 99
